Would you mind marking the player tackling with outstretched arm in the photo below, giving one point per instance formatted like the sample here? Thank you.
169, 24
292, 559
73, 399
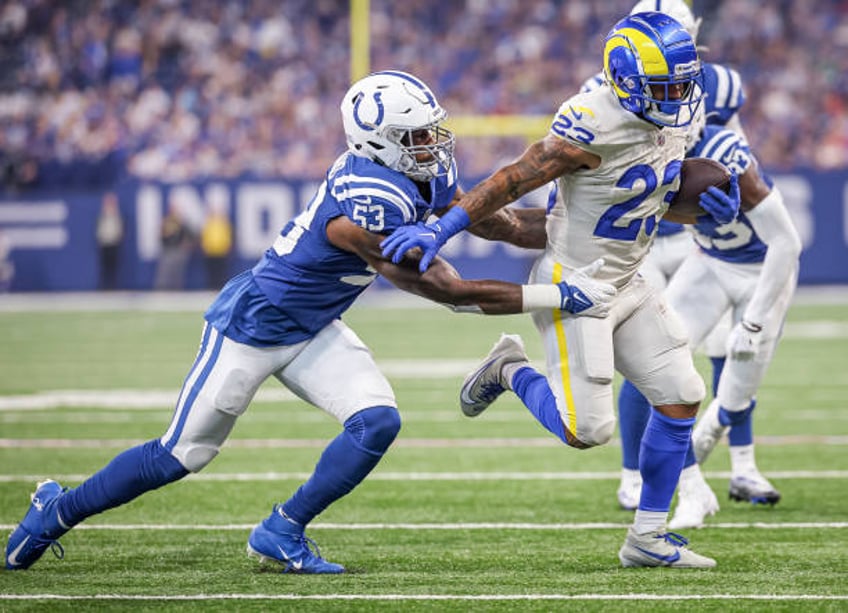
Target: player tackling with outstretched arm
282, 319
616, 154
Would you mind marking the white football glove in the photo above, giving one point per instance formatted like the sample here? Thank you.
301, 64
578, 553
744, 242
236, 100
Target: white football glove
743, 341
582, 294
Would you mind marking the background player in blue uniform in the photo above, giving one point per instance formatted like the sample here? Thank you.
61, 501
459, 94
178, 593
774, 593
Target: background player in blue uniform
749, 265
282, 319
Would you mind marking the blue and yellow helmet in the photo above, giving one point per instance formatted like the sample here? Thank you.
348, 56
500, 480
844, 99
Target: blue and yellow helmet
651, 63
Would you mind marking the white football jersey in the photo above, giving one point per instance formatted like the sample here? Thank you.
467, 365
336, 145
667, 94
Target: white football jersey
612, 211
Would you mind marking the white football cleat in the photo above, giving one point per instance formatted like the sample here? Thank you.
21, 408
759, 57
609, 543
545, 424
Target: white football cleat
695, 502
660, 549
630, 489
483, 386
707, 433
753, 488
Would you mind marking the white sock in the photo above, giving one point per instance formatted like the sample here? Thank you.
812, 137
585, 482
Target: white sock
630, 475
508, 371
649, 521
742, 460
691, 476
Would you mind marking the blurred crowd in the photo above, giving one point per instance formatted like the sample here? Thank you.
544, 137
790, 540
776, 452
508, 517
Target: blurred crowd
94, 91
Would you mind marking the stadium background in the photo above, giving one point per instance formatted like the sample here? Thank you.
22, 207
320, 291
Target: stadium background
237, 103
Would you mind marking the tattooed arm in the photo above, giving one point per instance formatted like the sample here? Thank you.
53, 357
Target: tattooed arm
543, 161
515, 225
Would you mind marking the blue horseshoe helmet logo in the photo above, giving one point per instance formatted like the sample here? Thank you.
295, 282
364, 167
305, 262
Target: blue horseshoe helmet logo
368, 127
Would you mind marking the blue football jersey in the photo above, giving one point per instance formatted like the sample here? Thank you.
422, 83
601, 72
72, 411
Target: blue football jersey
723, 91
736, 241
303, 282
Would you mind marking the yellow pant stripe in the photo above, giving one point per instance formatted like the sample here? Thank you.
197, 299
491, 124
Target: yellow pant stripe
562, 346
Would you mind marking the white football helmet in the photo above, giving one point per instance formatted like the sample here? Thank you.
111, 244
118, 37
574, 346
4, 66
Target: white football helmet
383, 116
677, 9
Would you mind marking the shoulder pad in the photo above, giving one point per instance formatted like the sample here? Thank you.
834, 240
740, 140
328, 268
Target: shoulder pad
582, 118
366, 189
592, 83
725, 94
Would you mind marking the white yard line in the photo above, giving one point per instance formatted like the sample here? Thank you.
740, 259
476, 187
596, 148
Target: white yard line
146, 399
452, 526
401, 443
432, 597
439, 476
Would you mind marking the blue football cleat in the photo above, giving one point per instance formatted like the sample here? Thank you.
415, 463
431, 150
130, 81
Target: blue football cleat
279, 539
34, 534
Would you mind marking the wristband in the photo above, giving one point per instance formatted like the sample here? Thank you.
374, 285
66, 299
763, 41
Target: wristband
540, 296
453, 222
751, 327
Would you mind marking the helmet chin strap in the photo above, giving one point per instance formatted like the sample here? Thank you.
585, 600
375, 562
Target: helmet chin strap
406, 164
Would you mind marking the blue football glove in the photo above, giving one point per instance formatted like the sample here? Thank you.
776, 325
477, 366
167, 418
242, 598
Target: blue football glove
583, 295
722, 207
428, 237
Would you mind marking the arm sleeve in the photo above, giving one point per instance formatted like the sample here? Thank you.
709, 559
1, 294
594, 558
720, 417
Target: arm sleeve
772, 224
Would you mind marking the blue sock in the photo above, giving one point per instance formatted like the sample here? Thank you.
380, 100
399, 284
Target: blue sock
534, 391
741, 425
346, 461
129, 474
718, 366
661, 458
690, 456
634, 410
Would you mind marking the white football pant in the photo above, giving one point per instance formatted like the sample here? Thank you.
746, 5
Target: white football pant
703, 289
333, 371
641, 337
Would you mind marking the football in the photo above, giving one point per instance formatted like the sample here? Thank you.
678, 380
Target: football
696, 175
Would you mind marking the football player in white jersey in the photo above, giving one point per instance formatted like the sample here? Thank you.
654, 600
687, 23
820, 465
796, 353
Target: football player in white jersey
749, 265
723, 97
281, 319
616, 154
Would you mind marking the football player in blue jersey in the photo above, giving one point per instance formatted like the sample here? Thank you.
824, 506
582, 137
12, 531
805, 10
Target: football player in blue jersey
751, 268
281, 319
616, 154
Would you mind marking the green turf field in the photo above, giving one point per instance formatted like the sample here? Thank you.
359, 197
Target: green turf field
489, 514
